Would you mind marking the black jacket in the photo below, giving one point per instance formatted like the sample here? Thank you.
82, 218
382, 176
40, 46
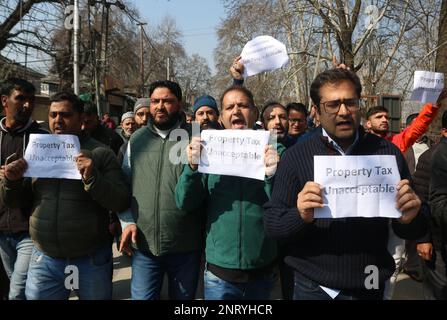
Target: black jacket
438, 196
13, 220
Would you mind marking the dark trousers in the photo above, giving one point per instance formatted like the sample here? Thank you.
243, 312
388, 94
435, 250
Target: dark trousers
286, 276
435, 277
306, 289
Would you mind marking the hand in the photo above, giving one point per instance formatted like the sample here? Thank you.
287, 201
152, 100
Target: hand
425, 250
193, 151
130, 232
237, 69
271, 159
308, 199
85, 165
14, 171
335, 64
442, 96
407, 202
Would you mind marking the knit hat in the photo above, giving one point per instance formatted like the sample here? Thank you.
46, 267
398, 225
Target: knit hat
141, 102
127, 115
207, 101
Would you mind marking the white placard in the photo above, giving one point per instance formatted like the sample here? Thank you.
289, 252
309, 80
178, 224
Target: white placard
234, 152
427, 86
52, 156
263, 53
357, 186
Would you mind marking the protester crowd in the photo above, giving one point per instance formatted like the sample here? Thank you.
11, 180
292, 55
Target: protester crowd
241, 235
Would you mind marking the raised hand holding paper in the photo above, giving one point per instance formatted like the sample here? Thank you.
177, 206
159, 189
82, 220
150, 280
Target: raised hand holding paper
52, 156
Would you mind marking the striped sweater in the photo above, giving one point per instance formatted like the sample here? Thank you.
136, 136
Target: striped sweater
333, 252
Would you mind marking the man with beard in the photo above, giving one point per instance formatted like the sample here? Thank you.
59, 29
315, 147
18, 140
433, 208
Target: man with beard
141, 111
206, 112
274, 119
240, 258
164, 238
17, 97
69, 220
128, 125
378, 123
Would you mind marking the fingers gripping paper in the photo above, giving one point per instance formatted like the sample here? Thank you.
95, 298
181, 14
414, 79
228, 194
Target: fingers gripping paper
357, 186
52, 156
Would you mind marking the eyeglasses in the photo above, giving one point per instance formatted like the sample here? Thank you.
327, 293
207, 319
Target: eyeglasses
333, 106
163, 101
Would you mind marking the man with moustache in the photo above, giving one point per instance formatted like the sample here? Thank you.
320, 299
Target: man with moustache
141, 111
17, 98
297, 114
274, 118
240, 258
70, 218
330, 257
164, 238
206, 113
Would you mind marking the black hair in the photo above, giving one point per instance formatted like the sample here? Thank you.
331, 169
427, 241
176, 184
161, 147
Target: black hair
171, 85
333, 76
77, 104
297, 106
9, 85
372, 111
239, 88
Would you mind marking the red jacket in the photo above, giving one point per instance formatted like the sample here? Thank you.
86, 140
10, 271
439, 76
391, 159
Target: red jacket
416, 129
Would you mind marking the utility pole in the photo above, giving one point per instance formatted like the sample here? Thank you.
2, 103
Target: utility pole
76, 48
142, 57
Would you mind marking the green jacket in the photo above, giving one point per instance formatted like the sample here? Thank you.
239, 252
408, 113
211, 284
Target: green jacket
235, 236
70, 218
162, 227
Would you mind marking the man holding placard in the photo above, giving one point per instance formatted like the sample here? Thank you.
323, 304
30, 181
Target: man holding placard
240, 259
69, 221
344, 257
160, 238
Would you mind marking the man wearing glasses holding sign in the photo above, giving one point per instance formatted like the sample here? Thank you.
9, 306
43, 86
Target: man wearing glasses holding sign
333, 258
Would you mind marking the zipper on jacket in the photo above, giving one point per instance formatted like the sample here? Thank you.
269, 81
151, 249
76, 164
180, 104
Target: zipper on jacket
157, 213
